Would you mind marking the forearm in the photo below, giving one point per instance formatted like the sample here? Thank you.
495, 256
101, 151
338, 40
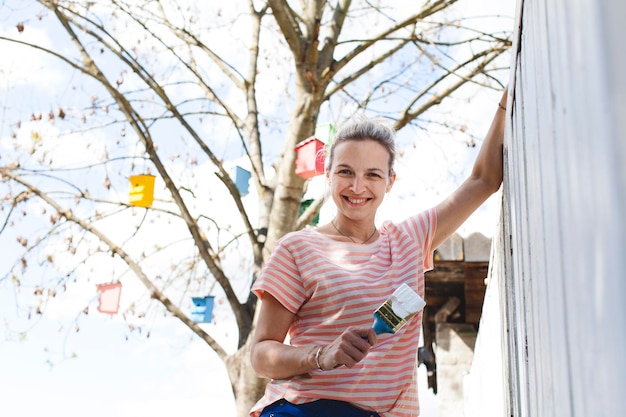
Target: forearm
276, 360
484, 180
488, 167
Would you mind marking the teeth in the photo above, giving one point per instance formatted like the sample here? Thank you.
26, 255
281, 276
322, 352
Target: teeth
357, 200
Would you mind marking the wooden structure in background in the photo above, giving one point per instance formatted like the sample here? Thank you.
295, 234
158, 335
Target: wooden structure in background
454, 295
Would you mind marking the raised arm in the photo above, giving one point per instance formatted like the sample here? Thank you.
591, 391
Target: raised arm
484, 180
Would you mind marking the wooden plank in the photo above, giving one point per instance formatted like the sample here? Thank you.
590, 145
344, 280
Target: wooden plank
475, 286
566, 185
477, 248
455, 350
446, 271
452, 249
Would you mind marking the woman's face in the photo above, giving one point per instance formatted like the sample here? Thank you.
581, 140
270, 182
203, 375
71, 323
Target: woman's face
359, 178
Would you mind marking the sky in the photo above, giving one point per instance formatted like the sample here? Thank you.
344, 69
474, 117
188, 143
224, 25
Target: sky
101, 368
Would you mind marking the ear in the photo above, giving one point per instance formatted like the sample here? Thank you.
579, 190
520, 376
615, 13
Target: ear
391, 181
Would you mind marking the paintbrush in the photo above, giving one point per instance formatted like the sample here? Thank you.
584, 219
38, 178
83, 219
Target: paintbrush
403, 304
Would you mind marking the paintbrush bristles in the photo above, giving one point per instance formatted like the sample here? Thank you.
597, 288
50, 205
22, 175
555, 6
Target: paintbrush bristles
405, 301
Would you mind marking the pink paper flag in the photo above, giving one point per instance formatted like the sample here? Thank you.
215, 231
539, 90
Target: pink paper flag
109, 301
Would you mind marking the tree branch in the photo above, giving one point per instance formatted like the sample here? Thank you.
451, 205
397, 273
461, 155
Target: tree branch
116, 250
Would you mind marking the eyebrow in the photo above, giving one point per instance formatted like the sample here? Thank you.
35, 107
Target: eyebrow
367, 170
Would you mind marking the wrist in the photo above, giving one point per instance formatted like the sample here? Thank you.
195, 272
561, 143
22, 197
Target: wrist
318, 357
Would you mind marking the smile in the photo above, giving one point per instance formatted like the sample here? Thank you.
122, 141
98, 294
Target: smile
356, 201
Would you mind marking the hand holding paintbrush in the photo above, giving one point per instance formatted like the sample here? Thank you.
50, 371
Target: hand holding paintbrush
354, 344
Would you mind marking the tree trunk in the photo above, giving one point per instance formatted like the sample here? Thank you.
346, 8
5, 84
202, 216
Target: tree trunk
247, 387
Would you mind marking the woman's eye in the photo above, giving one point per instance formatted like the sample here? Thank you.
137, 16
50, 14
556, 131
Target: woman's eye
343, 172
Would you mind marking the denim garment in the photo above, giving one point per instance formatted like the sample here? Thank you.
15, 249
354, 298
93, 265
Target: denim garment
317, 408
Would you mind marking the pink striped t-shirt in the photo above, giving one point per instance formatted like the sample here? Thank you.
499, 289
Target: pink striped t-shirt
332, 285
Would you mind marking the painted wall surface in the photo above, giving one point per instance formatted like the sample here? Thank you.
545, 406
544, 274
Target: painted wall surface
558, 287
485, 387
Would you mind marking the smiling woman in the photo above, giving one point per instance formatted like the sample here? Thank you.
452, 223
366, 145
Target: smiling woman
320, 286
358, 185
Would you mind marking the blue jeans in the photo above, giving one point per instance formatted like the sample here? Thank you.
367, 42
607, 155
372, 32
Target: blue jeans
317, 408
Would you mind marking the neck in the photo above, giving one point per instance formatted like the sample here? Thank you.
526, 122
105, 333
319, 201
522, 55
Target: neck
361, 240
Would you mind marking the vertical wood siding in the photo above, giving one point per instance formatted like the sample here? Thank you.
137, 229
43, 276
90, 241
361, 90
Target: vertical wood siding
562, 252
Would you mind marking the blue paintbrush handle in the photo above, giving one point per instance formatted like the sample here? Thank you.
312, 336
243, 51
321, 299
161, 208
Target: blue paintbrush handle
380, 326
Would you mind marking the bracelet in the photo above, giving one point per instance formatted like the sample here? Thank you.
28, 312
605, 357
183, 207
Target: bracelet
501, 107
317, 358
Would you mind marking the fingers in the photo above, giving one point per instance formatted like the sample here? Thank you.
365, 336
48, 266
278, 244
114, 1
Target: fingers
505, 96
370, 336
349, 348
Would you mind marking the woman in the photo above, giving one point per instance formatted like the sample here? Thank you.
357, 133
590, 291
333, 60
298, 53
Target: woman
320, 286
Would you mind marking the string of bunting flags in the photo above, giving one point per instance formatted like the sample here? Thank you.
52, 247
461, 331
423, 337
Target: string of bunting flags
310, 160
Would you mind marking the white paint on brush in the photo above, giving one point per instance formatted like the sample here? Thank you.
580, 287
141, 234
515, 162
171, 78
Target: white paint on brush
405, 302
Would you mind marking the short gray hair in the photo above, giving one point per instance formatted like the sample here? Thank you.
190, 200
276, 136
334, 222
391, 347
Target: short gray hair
366, 130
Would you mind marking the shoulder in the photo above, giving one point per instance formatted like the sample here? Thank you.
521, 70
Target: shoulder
423, 223
297, 236
292, 241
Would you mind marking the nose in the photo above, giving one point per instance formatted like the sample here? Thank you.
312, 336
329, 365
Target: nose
357, 185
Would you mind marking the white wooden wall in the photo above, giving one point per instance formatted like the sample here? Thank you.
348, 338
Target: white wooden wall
559, 279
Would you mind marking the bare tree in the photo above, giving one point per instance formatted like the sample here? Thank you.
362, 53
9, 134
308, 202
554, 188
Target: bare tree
181, 89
